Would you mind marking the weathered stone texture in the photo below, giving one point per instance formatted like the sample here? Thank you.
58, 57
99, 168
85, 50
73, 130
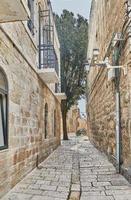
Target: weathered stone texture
101, 116
75, 121
27, 98
75, 171
107, 18
72, 119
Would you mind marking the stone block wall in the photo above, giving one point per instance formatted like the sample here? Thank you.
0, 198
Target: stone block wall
109, 17
27, 96
82, 123
72, 119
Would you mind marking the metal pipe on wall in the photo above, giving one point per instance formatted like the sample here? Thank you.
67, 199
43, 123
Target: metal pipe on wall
118, 131
118, 108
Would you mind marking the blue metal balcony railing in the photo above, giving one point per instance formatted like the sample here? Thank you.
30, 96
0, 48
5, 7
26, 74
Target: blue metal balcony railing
48, 57
47, 54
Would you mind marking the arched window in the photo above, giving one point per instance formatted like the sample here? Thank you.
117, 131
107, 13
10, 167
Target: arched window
55, 123
46, 120
3, 111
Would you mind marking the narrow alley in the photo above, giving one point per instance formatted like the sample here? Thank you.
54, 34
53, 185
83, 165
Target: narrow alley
76, 170
65, 100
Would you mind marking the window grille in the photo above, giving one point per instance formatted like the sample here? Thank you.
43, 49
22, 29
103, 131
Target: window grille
46, 120
47, 55
3, 111
30, 22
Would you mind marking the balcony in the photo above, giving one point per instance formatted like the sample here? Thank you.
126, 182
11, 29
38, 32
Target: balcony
13, 10
48, 75
59, 95
48, 62
48, 67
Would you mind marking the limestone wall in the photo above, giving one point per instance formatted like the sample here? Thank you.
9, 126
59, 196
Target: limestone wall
109, 17
27, 97
72, 119
82, 123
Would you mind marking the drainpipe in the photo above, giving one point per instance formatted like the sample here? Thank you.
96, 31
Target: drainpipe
118, 143
118, 122
118, 107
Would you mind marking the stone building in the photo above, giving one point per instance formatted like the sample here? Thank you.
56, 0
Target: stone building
72, 116
30, 98
75, 121
109, 80
82, 122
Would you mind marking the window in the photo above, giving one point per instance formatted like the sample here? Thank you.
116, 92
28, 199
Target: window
55, 123
3, 111
46, 120
30, 22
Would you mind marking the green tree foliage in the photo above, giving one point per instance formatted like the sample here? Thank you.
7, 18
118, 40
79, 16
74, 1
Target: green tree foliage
73, 36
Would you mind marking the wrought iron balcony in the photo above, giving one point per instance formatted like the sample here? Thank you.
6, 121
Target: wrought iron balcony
13, 10
48, 62
48, 66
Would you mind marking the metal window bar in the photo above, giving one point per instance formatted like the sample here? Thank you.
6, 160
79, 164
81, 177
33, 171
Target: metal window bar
47, 55
55, 123
46, 120
30, 22
3, 105
31, 27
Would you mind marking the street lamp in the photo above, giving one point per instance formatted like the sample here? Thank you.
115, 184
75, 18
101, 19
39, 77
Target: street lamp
95, 54
87, 66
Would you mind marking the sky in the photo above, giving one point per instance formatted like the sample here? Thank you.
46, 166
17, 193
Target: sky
77, 6
81, 7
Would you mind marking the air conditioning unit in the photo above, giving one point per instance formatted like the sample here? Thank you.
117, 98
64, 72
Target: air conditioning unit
111, 74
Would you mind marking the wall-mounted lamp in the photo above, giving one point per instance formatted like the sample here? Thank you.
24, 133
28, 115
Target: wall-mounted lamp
87, 66
95, 54
104, 63
88, 63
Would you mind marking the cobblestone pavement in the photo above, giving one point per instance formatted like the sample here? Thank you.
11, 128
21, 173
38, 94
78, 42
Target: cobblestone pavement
75, 171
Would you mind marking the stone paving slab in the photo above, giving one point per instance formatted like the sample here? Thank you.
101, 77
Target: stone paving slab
75, 171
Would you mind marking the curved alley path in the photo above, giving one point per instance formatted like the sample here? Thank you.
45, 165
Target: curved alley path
76, 170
